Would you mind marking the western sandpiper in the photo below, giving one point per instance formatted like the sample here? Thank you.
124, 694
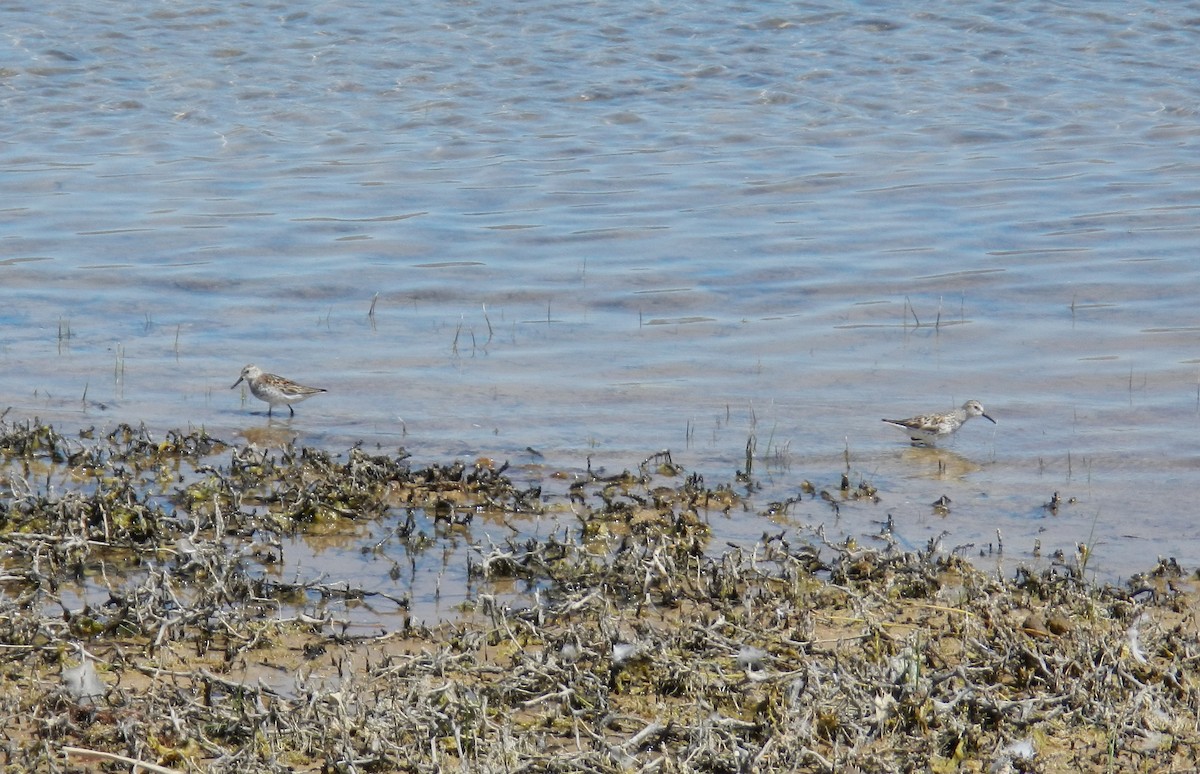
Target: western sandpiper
927, 429
275, 390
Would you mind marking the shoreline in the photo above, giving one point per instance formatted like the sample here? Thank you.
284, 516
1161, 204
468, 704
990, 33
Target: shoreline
632, 641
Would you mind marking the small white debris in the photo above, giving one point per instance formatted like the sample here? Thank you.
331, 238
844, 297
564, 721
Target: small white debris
750, 657
82, 682
1020, 749
1135, 640
623, 651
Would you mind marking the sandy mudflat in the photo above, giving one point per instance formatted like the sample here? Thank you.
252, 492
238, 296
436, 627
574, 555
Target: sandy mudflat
139, 621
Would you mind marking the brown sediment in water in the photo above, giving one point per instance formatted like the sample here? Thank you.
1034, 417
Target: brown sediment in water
637, 645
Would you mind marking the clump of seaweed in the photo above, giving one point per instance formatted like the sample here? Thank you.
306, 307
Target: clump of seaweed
633, 643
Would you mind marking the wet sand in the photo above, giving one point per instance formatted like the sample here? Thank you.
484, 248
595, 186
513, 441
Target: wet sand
624, 638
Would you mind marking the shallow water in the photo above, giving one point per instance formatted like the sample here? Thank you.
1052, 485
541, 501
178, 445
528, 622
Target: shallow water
603, 231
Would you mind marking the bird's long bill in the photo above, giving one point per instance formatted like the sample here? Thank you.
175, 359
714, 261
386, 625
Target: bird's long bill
985, 416
240, 378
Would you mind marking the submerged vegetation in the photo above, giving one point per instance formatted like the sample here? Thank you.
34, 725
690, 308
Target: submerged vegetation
140, 624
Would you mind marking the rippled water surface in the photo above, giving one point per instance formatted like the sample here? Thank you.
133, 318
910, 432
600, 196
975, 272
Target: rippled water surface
601, 230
